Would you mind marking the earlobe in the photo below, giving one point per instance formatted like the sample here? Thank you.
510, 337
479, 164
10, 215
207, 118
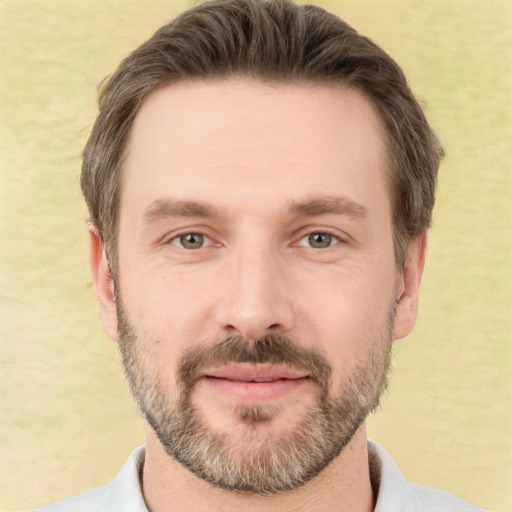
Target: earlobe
103, 283
408, 290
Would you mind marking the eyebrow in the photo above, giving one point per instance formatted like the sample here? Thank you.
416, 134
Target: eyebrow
330, 205
166, 207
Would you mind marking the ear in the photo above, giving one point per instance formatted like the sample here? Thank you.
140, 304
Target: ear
409, 287
103, 283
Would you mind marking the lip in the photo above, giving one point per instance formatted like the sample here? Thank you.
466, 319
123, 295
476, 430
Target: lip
253, 384
255, 373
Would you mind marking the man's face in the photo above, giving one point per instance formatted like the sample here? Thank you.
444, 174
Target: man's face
257, 286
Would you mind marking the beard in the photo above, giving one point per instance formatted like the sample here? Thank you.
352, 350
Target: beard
258, 463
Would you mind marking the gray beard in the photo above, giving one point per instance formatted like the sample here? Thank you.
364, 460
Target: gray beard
258, 464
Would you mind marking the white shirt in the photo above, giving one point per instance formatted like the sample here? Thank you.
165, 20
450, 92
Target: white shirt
395, 493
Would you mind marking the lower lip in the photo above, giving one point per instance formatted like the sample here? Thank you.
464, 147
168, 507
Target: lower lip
254, 392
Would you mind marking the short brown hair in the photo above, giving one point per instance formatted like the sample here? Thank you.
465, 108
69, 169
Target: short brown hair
272, 41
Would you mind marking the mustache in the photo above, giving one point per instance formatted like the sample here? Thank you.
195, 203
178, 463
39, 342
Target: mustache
270, 348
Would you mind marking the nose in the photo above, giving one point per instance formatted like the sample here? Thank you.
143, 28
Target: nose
256, 298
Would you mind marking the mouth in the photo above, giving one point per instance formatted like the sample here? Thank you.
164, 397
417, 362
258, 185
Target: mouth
250, 384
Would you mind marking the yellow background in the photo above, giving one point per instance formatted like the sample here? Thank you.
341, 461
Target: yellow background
66, 420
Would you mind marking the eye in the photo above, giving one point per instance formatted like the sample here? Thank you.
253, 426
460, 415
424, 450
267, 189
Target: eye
191, 241
318, 240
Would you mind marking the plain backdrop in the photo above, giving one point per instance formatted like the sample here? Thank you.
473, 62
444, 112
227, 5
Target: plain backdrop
66, 420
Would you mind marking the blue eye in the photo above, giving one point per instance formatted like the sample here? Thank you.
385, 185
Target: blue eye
318, 240
191, 241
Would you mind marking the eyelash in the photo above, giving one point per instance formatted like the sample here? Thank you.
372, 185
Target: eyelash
179, 240
333, 239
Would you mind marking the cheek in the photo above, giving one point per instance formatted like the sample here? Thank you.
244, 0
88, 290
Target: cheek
170, 307
356, 295
346, 313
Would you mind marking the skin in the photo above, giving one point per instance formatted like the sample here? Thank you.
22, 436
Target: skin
265, 167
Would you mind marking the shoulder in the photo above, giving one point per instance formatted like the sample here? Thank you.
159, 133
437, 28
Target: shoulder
89, 501
428, 498
395, 493
123, 494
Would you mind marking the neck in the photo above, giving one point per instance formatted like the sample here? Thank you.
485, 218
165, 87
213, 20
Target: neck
343, 486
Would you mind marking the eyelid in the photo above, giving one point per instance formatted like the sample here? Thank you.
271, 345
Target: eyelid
339, 237
207, 241
334, 238
173, 238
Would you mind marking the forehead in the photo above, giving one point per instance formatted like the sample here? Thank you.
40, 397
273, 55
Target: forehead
205, 139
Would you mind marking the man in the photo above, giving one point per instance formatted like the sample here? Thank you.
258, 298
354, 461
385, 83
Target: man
260, 182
